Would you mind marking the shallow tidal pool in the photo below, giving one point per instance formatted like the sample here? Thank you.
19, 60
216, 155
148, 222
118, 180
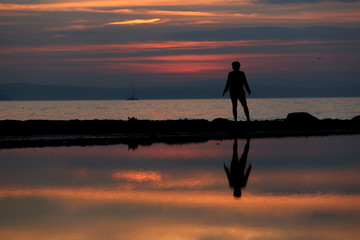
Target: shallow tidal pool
276, 188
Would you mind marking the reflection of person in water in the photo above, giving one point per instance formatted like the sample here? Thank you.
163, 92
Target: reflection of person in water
236, 82
237, 175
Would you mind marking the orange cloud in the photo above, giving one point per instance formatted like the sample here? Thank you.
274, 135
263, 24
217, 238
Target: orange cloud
180, 13
249, 13
136, 21
87, 5
69, 28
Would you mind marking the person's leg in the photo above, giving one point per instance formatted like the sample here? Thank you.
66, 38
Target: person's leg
244, 105
234, 105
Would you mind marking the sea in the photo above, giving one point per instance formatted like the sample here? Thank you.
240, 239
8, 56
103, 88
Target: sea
272, 188
173, 109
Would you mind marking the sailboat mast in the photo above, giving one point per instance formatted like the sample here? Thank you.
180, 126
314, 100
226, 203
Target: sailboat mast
133, 93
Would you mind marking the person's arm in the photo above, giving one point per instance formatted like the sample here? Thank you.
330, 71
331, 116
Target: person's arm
227, 85
246, 85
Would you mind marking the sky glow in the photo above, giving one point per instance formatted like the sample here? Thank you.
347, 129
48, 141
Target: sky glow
149, 41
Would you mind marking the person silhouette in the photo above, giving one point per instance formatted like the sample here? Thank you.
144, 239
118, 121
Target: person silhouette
235, 84
237, 176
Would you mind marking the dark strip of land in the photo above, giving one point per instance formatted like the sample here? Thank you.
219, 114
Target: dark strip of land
37, 133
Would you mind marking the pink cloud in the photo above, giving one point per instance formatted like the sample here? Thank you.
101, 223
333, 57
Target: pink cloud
154, 46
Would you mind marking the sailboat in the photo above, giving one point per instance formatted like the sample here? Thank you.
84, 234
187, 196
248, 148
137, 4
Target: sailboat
133, 94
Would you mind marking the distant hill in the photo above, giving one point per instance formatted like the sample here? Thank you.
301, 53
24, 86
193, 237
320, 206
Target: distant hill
4, 98
28, 91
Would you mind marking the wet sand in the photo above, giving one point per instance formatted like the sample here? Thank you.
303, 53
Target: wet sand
34, 133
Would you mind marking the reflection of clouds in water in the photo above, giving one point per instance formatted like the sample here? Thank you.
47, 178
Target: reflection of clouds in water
260, 204
141, 175
180, 191
191, 180
303, 181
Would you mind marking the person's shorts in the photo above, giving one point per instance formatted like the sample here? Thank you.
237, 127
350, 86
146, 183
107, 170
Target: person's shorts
240, 96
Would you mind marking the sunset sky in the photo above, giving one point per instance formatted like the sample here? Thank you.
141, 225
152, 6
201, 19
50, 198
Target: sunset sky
313, 43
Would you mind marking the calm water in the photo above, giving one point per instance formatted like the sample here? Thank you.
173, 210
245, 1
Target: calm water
260, 109
297, 188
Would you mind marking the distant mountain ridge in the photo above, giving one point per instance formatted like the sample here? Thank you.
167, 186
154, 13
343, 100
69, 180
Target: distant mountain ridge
29, 91
4, 98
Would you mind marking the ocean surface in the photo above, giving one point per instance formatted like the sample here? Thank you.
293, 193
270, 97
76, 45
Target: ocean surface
260, 109
275, 189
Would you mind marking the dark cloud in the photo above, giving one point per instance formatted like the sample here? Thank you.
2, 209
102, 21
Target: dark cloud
262, 33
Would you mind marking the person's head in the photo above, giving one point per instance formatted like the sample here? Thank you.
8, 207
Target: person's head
236, 66
237, 192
